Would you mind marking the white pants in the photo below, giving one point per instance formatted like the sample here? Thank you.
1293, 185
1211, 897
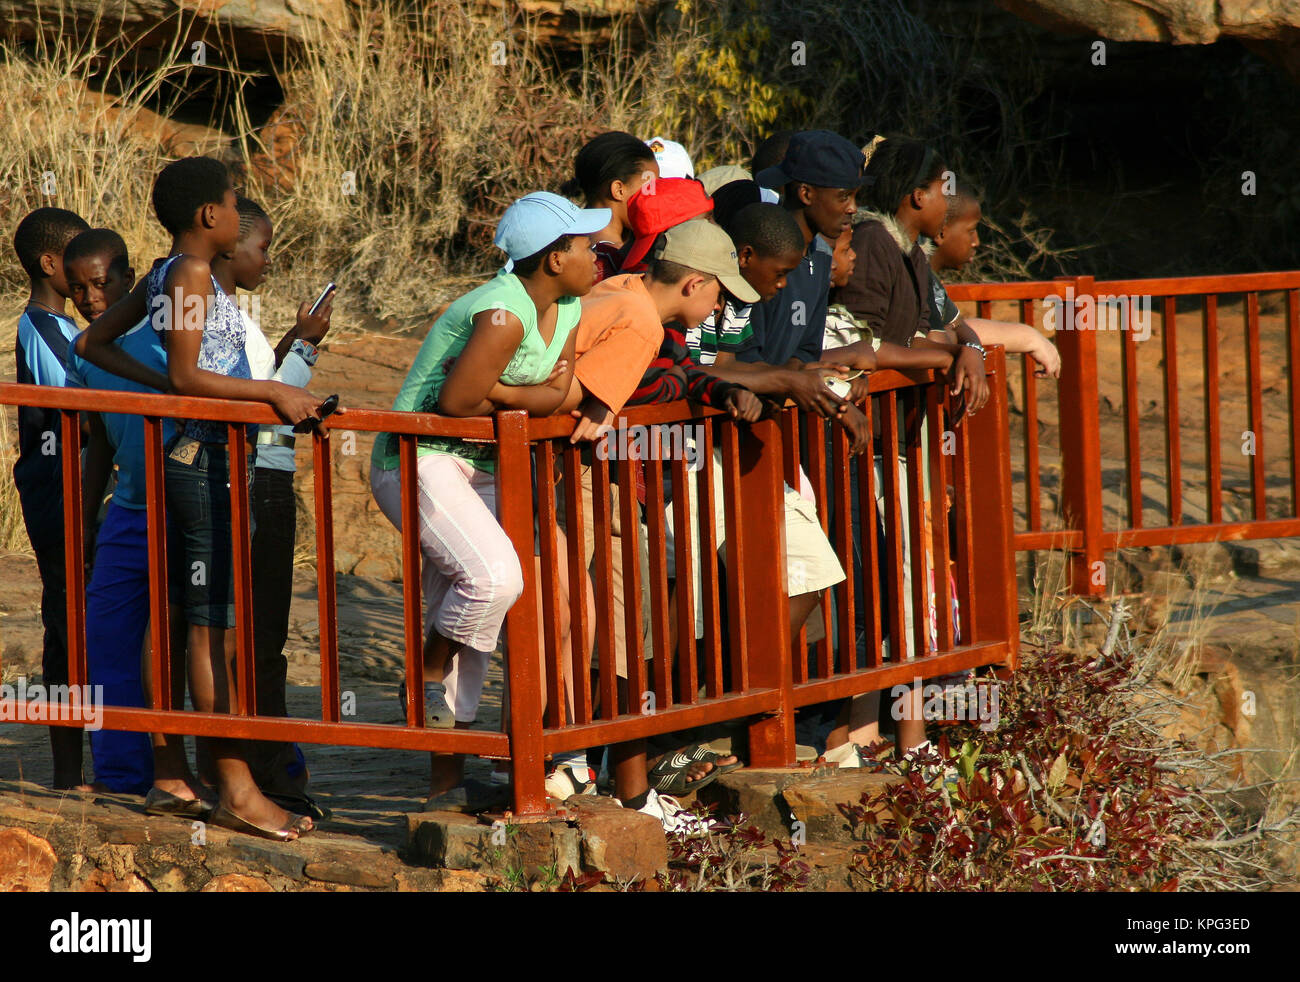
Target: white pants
470, 574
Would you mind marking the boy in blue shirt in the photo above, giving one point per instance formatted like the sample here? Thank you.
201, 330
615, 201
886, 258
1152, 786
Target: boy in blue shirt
117, 595
44, 331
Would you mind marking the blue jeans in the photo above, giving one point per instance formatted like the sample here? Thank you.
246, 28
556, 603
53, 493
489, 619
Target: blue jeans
117, 615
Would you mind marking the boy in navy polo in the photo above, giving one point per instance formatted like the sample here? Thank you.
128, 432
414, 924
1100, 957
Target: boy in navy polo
117, 594
44, 331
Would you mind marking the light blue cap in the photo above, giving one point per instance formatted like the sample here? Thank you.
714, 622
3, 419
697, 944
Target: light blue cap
538, 219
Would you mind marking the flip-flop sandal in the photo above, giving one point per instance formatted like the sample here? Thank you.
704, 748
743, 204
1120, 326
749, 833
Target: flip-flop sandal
669, 775
699, 752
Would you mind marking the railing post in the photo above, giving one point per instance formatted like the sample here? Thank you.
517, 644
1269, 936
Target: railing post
767, 608
1080, 420
995, 617
523, 635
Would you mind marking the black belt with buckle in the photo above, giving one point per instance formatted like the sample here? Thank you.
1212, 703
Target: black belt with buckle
270, 438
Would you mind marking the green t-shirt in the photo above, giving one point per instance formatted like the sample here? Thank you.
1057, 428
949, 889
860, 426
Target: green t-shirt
532, 363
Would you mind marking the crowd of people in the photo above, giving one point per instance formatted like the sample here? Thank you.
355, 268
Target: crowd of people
791, 277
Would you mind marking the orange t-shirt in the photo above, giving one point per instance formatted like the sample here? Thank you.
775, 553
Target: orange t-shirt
619, 333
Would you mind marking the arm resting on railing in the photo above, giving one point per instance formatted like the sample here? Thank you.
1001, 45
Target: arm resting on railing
95, 344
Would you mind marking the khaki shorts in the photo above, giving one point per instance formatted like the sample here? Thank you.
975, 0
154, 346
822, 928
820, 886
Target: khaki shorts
811, 563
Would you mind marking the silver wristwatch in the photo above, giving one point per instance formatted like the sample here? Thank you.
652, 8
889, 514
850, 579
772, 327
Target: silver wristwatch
976, 346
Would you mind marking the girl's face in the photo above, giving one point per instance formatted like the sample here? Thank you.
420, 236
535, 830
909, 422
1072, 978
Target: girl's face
646, 171
224, 223
577, 267
932, 206
956, 243
249, 260
620, 191
843, 259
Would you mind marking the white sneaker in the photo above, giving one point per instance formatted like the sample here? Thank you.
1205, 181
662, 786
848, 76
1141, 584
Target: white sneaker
845, 755
566, 781
674, 818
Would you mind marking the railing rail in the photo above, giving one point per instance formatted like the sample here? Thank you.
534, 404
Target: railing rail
742, 667
1083, 528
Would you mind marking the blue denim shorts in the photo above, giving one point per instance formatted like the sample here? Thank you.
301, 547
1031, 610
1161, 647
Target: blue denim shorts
201, 570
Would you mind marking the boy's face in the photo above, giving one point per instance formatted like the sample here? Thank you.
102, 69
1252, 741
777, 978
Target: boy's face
767, 274
702, 293
94, 284
249, 260
827, 209
843, 259
959, 239
577, 267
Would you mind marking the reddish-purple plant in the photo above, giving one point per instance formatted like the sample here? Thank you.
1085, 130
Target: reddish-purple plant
1064, 794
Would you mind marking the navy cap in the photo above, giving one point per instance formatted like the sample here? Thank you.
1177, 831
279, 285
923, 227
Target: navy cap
538, 219
820, 158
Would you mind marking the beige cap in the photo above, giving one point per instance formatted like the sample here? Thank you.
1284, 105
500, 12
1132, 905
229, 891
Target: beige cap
702, 246
717, 177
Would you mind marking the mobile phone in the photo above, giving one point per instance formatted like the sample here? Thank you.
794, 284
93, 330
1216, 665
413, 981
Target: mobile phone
324, 409
324, 295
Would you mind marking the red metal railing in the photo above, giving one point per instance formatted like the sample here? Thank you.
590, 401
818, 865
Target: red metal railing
1091, 355
752, 676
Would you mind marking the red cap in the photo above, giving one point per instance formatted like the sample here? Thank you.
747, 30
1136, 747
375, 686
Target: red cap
658, 206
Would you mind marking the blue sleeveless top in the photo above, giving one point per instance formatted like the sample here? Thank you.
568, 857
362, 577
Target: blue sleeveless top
221, 350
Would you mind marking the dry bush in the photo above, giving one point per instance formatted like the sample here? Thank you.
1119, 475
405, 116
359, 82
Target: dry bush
411, 111
409, 103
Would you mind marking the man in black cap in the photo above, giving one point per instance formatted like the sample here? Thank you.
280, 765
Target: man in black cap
820, 173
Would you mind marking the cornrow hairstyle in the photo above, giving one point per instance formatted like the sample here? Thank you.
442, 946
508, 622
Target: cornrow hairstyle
185, 186
44, 231
768, 229
99, 242
249, 213
899, 167
610, 157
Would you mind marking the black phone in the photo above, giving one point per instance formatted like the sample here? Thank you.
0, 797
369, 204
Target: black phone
324, 409
324, 295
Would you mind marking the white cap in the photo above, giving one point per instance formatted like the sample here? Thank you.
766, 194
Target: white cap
672, 158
